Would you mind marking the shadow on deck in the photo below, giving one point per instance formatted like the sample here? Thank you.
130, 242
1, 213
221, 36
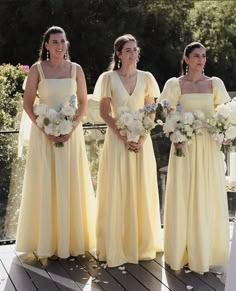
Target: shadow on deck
26, 273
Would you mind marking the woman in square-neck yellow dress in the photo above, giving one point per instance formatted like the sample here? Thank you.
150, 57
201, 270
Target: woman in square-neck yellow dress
196, 211
58, 201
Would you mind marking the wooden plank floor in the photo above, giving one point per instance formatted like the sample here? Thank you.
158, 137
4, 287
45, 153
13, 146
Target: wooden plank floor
24, 272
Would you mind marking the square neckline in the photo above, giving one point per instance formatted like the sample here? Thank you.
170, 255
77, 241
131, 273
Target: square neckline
192, 93
42, 75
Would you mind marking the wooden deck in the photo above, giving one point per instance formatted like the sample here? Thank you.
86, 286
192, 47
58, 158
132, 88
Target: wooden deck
26, 273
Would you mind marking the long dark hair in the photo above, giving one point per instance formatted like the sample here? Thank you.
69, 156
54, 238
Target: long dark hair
187, 51
46, 36
118, 45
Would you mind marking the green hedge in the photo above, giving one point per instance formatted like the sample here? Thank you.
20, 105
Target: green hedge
11, 94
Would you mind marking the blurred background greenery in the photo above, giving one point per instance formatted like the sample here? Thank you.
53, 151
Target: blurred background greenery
163, 29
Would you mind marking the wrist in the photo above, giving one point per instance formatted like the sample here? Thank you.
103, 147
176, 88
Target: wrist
75, 124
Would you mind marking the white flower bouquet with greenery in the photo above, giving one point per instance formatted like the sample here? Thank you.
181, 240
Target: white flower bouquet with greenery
56, 121
222, 125
181, 127
135, 124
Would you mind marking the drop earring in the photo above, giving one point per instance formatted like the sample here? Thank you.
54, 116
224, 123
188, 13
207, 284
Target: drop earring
186, 70
118, 64
66, 56
47, 55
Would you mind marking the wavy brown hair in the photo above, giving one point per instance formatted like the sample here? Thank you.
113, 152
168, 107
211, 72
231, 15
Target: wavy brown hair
118, 45
46, 36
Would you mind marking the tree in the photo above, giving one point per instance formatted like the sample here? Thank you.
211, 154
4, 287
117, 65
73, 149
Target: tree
164, 34
163, 29
214, 24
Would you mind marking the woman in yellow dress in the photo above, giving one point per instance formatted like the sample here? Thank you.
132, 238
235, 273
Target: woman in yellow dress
128, 219
196, 211
58, 203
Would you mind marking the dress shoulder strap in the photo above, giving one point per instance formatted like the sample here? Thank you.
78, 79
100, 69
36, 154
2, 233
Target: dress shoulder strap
73, 71
40, 71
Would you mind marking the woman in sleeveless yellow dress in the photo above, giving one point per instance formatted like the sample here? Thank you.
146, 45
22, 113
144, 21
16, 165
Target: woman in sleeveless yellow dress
58, 203
128, 219
196, 211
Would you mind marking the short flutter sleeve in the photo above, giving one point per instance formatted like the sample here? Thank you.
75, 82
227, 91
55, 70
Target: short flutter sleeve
152, 88
102, 87
171, 91
220, 94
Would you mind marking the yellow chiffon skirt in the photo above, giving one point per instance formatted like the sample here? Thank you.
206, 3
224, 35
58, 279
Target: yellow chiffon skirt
128, 225
196, 211
58, 203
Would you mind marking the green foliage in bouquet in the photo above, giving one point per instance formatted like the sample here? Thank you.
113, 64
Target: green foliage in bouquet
161, 144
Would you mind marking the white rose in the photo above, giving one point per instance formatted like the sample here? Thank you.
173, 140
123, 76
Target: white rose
65, 127
68, 111
40, 109
126, 118
51, 114
230, 133
178, 137
188, 118
49, 129
219, 137
224, 110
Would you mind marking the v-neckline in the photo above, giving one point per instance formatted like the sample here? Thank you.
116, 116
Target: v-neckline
124, 85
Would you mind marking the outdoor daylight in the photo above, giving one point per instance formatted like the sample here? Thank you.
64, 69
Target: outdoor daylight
117, 145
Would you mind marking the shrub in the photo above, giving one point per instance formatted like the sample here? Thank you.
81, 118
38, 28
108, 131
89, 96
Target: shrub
11, 93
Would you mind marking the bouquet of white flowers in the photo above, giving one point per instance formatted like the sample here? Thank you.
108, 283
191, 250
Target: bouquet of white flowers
222, 125
58, 121
135, 124
181, 127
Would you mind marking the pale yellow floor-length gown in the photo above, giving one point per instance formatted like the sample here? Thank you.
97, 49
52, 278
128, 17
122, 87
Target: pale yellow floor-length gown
128, 225
196, 212
58, 201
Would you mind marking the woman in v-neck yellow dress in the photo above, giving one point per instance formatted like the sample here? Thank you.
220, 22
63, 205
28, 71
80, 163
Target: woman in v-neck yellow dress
58, 202
128, 225
196, 211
